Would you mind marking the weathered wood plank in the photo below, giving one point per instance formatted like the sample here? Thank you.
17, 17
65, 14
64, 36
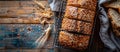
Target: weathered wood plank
24, 21
17, 13
19, 3
20, 20
16, 3
9, 3
7, 9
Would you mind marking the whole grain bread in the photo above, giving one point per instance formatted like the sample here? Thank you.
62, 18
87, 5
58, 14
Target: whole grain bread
84, 27
77, 24
86, 15
69, 25
74, 41
72, 25
71, 12
79, 14
88, 4
115, 20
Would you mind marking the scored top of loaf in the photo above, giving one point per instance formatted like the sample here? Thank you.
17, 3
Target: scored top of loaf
88, 4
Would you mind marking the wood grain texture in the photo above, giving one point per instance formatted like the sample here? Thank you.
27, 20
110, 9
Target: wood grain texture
24, 12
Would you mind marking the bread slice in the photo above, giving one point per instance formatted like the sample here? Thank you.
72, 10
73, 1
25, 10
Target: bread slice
72, 3
84, 27
86, 15
69, 25
115, 20
77, 26
71, 12
115, 5
88, 4
74, 41
79, 14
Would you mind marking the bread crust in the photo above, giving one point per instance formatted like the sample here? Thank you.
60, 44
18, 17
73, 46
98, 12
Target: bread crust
69, 25
115, 20
88, 4
86, 15
71, 12
84, 28
74, 41
115, 5
77, 26
79, 14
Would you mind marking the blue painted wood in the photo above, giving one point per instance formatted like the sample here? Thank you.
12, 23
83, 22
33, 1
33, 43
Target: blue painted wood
20, 35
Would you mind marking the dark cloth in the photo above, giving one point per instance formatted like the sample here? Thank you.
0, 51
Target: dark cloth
54, 4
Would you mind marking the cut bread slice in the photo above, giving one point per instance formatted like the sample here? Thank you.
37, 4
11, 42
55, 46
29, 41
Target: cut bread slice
71, 12
75, 41
72, 25
115, 4
79, 14
69, 25
115, 20
86, 15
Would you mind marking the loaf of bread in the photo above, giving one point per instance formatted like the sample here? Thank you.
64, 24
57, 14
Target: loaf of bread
88, 4
74, 41
115, 20
76, 26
